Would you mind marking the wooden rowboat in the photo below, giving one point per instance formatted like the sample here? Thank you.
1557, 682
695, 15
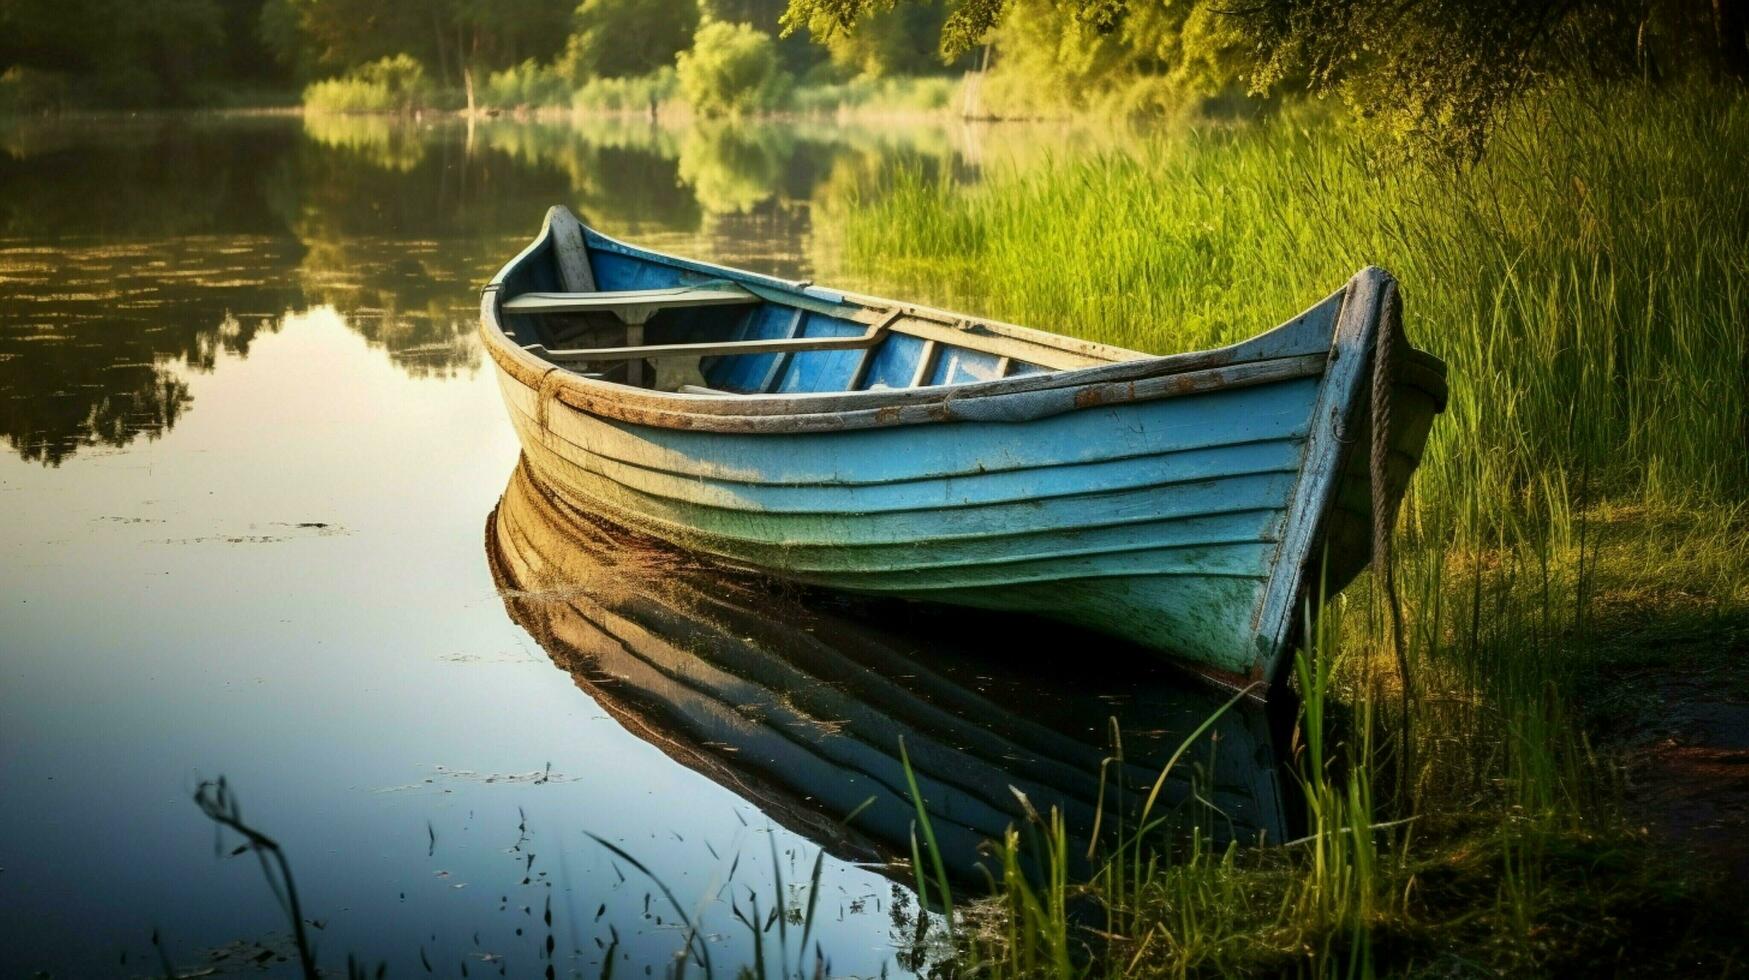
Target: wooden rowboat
1187, 502
798, 703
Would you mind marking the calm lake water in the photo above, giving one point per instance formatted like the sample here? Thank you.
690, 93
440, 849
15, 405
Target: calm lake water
264, 520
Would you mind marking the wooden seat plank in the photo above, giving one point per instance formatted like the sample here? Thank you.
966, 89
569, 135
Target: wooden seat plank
726, 348
633, 306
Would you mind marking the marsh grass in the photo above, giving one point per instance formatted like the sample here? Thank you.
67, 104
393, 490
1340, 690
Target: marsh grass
786, 908
1600, 243
1588, 286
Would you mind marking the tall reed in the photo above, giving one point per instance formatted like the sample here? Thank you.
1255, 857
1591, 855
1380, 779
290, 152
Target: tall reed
1588, 285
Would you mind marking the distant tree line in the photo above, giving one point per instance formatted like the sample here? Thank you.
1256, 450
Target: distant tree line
1439, 70
126, 53
133, 52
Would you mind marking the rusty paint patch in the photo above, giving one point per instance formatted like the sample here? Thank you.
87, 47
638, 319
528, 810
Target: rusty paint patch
1090, 396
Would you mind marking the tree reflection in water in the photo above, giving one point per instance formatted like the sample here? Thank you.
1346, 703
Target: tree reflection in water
135, 254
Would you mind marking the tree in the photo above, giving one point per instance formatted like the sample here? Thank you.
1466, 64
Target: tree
731, 69
246, 55
117, 52
622, 38
894, 40
460, 39
1439, 70
795, 50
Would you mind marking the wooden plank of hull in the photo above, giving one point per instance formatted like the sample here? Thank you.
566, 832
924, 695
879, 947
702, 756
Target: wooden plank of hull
933, 452
1080, 497
1121, 473
1078, 502
1242, 546
803, 713
1203, 612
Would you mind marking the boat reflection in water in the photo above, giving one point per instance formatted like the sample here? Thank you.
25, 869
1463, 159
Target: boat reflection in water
798, 701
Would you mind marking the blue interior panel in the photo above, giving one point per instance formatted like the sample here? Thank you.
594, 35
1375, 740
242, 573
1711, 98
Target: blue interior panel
614, 272
894, 362
823, 370
747, 372
956, 365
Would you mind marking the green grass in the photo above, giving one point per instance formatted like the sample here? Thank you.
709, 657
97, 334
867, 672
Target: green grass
1582, 254
1581, 499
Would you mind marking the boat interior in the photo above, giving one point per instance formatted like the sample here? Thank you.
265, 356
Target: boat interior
613, 312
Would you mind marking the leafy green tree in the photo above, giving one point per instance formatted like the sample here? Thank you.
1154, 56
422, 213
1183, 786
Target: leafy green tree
795, 50
462, 40
731, 69
330, 36
1049, 54
624, 38
893, 40
1439, 71
246, 55
1054, 51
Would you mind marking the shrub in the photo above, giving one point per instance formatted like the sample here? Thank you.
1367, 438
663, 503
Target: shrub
393, 84
637, 94
731, 69
528, 85
627, 38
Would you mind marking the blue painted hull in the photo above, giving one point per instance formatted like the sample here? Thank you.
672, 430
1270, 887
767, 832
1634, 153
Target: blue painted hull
1182, 520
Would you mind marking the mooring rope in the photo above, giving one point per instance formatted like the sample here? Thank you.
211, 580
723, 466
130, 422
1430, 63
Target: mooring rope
1384, 505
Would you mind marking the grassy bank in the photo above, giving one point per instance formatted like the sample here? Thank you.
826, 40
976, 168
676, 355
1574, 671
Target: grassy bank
1573, 540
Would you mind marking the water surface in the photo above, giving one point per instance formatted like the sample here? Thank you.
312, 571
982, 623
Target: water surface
251, 461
